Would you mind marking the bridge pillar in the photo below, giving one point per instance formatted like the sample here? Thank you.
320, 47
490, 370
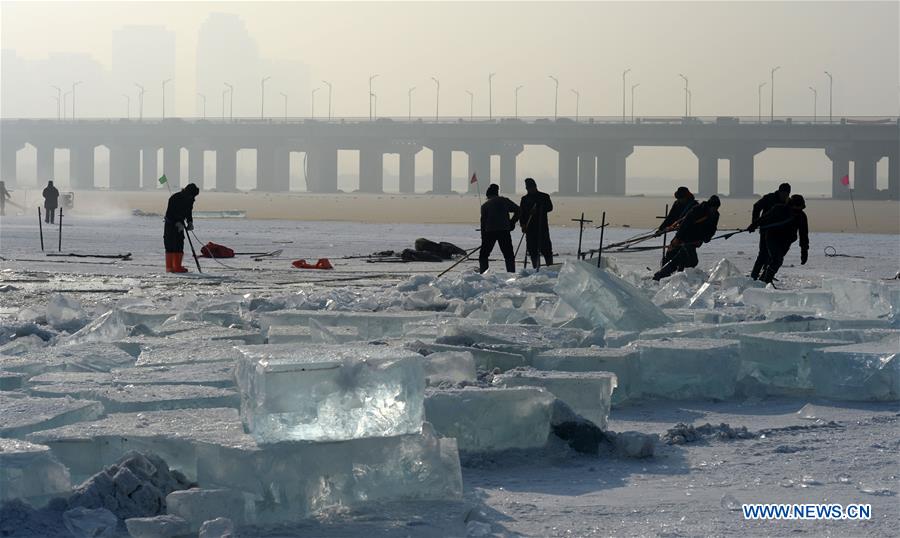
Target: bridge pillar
226, 169
81, 167
840, 167
196, 161
441, 170
172, 166
45, 164
124, 167
282, 181
707, 170
894, 175
149, 171
8, 163
408, 170
611, 170
321, 169
568, 171
740, 178
265, 168
371, 169
479, 164
508, 157
864, 173
587, 174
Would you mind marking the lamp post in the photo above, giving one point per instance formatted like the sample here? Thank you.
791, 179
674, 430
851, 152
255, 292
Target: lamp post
58, 100
409, 93
164, 97
140, 101
437, 97
624, 74
230, 101
312, 107
815, 103
633, 86
285, 105
73, 97
577, 103
690, 102
371, 78
759, 102
203, 98
516, 93
686, 92
374, 98
262, 98
772, 93
491, 96
329, 98
471, 104
555, 96
830, 94
127, 106
224, 93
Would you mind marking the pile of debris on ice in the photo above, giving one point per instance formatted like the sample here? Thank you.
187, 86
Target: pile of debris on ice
280, 406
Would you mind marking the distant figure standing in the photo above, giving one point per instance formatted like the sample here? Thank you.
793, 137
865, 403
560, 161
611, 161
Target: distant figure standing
684, 202
534, 208
783, 224
760, 208
4, 196
495, 227
697, 227
179, 217
51, 202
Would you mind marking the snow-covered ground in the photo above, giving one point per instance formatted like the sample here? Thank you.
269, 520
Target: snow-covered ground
830, 452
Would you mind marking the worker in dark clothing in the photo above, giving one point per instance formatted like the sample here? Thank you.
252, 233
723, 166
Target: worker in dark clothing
783, 224
4, 196
697, 227
534, 207
51, 202
179, 217
495, 227
761, 206
684, 202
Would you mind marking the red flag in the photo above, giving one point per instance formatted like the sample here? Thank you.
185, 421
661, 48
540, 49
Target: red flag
474, 179
845, 180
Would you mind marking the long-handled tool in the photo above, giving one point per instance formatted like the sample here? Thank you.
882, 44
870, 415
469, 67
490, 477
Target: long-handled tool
525, 231
60, 228
662, 258
459, 261
602, 229
193, 252
729, 234
41, 228
581, 222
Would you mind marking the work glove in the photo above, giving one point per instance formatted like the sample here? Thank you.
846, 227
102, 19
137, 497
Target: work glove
190, 226
804, 255
179, 226
751, 228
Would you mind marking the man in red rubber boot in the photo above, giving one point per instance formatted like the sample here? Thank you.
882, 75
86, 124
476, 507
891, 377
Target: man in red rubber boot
179, 218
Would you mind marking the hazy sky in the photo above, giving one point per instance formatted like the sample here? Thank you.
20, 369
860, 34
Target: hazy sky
724, 48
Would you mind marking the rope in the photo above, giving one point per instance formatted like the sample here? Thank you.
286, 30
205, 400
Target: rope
212, 255
832, 252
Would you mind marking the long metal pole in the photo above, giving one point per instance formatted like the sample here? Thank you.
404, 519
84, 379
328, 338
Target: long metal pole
686, 110
329, 98
60, 227
815, 103
772, 94
624, 74
577, 103
437, 97
633, 86
555, 96
759, 102
830, 94
491, 96
371, 78
230, 101
73, 97
602, 229
409, 93
471, 105
41, 228
517, 100
262, 99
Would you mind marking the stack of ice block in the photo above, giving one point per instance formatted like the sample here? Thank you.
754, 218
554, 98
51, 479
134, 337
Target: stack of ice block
685, 368
858, 372
780, 361
623, 362
28, 471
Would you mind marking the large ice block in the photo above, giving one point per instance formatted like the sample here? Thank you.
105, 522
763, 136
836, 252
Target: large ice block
147, 314
858, 372
28, 471
485, 358
133, 398
22, 415
488, 420
606, 300
106, 328
371, 325
288, 334
780, 361
90, 357
675, 293
766, 299
588, 393
213, 374
526, 340
724, 270
291, 480
184, 353
869, 298
685, 368
65, 313
330, 392
624, 362
451, 367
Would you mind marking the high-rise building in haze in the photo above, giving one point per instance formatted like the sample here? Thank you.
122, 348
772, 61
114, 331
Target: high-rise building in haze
227, 53
145, 55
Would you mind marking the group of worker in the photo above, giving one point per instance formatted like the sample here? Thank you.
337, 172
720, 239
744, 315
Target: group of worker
778, 216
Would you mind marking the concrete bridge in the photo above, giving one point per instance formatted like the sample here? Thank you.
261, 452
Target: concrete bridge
592, 152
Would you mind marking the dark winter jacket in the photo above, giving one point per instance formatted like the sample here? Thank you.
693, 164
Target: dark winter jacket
763, 205
699, 225
538, 220
678, 210
495, 214
180, 208
51, 197
784, 223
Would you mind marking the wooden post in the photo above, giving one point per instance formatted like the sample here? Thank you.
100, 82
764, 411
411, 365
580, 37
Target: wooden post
41, 228
60, 228
600, 248
581, 222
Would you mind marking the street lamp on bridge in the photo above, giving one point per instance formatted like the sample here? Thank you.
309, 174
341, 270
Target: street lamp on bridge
262, 98
374, 98
815, 103
224, 93
555, 96
577, 103
230, 101
759, 102
329, 98
624, 74
164, 97
371, 78
437, 97
830, 93
690, 95
471, 104
686, 93
491, 96
772, 93
140, 101
409, 93
633, 86
516, 93
73, 97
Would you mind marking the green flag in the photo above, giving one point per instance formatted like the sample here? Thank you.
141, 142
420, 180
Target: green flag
163, 179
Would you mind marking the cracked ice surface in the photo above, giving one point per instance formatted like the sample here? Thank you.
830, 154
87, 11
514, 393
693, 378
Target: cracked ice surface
330, 392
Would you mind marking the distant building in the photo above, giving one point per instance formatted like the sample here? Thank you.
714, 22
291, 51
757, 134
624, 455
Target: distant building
227, 53
144, 55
